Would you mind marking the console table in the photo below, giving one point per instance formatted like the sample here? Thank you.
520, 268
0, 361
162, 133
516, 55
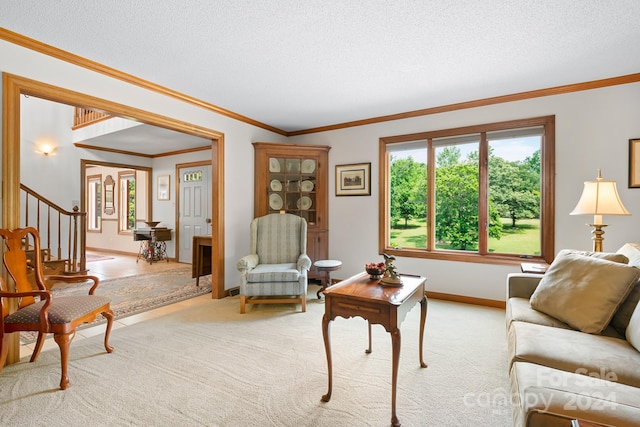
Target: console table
378, 304
200, 257
152, 243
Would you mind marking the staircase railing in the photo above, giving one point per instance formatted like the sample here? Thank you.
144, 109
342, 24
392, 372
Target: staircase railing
62, 232
85, 116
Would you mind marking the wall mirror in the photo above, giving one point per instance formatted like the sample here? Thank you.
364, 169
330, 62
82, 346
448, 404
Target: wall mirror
109, 183
163, 187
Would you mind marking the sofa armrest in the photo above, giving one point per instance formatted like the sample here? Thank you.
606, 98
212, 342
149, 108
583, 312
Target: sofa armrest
522, 285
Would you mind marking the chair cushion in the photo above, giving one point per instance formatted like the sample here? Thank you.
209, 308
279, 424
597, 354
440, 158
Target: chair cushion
274, 273
62, 309
584, 291
278, 239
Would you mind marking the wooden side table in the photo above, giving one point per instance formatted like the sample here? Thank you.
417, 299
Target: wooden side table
200, 257
326, 266
378, 304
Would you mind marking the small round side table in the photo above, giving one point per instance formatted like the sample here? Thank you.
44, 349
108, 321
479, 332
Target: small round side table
327, 266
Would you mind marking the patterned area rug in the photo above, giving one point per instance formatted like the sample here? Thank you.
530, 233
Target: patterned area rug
137, 294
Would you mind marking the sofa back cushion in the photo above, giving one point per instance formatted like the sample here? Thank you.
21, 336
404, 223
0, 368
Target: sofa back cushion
619, 256
623, 315
584, 291
633, 329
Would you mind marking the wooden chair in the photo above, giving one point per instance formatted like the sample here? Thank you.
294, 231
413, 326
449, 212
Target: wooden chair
57, 315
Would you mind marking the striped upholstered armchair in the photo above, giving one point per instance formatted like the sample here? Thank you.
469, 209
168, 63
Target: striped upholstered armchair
276, 270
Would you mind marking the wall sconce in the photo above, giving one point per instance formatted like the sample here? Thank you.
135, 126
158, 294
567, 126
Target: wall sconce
599, 198
46, 146
46, 149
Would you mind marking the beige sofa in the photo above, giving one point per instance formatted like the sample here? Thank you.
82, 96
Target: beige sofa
574, 340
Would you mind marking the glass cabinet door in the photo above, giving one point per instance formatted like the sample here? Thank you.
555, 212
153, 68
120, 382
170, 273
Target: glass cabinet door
292, 186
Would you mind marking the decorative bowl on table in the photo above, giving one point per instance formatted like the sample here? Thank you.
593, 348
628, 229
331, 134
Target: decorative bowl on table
375, 270
152, 224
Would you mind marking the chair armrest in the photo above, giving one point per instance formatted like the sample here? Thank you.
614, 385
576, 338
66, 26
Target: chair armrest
46, 295
304, 262
42, 294
74, 279
522, 285
247, 262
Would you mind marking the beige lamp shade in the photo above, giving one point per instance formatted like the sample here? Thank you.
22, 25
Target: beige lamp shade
599, 198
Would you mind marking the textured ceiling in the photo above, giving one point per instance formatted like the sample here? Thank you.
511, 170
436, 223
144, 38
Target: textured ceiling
296, 64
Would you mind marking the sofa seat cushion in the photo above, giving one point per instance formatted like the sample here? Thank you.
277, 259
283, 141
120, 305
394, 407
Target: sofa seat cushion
274, 273
574, 351
584, 291
544, 396
519, 310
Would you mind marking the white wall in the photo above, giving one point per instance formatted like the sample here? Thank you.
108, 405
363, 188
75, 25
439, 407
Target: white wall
592, 131
237, 138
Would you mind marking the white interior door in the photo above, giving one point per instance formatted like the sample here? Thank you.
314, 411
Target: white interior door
195, 208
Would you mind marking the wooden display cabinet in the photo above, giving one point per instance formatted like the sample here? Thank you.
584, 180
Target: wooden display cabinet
293, 178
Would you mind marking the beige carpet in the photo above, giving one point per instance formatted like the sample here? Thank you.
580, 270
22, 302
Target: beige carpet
210, 366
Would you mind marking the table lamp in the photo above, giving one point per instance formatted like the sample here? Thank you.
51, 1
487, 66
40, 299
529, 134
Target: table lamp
599, 198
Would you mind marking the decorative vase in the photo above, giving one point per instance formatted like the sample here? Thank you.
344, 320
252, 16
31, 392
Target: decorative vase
375, 274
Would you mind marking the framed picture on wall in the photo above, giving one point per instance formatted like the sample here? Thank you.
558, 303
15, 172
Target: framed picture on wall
353, 179
164, 187
634, 163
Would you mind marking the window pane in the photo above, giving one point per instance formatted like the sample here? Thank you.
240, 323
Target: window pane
131, 212
456, 193
514, 192
94, 204
408, 188
127, 199
483, 199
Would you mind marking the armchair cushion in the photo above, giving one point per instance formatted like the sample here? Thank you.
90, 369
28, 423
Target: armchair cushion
62, 309
273, 273
279, 238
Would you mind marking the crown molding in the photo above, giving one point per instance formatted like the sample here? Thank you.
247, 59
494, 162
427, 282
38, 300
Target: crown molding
54, 52
557, 90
